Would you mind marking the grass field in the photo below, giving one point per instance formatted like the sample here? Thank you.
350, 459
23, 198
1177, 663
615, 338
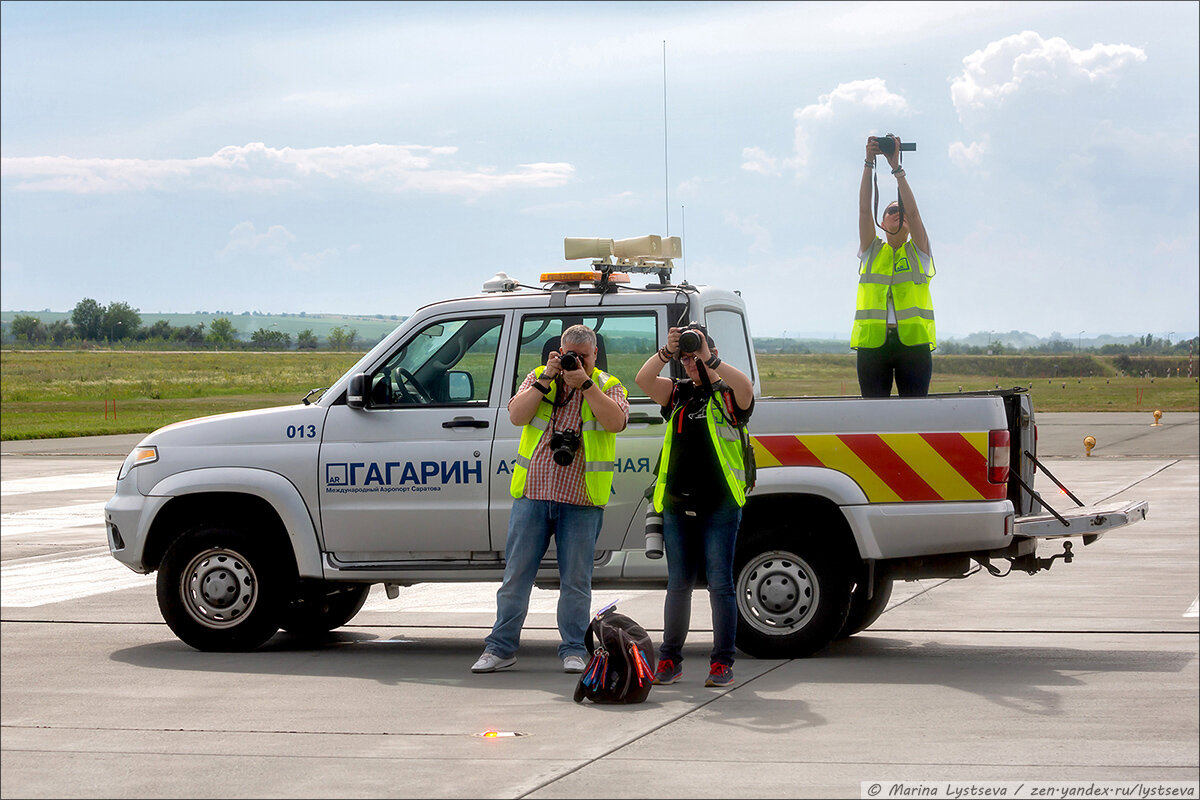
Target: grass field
47, 394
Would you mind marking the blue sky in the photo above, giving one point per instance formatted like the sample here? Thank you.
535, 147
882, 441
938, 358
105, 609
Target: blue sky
370, 158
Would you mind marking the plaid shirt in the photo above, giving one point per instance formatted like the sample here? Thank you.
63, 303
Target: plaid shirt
548, 480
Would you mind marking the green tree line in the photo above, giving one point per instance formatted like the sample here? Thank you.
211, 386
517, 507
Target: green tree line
91, 323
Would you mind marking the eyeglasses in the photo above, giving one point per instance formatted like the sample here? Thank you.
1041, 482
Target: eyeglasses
892, 210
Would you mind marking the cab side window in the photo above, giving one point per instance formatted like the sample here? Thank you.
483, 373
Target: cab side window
624, 341
450, 362
728, 330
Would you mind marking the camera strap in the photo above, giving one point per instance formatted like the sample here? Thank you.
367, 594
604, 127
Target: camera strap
899, 202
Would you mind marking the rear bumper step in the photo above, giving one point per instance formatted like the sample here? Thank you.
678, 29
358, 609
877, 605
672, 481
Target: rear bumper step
1084, 520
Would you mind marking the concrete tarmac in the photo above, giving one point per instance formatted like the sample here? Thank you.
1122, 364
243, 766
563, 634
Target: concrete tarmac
1087, 672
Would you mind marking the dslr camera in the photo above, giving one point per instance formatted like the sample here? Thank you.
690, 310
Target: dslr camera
692, 338
569, 361
887, 144
563, 445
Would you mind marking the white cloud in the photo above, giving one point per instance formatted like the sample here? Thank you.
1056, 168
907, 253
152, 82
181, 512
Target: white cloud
244, 238
760, 236
257, 167
275, 244
756, 160
871, 93
1026, 60
967, 155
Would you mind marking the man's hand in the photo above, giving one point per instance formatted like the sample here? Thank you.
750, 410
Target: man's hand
553, 367
575, 378
873, 148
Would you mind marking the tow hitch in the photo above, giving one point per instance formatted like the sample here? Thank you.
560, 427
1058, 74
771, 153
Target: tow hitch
1028, 563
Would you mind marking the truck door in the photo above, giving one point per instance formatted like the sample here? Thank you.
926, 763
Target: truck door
625, 338
407, 476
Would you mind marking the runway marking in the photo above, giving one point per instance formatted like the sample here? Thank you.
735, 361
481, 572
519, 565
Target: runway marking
59, 483
1194, 608
39, 581
46, 520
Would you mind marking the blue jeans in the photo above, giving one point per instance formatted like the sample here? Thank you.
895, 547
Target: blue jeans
575, 530
694, 542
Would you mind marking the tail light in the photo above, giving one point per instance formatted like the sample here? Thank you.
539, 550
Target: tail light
998, 455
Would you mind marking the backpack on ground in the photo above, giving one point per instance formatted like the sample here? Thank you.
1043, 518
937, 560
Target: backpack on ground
622, 666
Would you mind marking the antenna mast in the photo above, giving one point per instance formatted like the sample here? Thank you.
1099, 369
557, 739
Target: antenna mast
666, 179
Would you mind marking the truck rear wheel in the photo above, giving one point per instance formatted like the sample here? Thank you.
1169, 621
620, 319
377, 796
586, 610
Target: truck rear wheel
864, 611
792, 595
320, 608
218, 591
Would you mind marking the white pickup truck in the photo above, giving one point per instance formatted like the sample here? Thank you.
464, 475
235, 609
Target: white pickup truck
399, 474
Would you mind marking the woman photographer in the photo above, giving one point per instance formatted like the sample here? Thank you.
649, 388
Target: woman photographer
700, 491
893, 322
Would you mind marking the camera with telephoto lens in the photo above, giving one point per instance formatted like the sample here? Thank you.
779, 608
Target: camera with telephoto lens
691, 339
569, 362
887, 144
563, 445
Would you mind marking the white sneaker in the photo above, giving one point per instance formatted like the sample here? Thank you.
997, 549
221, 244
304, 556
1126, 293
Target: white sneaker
573, 664
490, 662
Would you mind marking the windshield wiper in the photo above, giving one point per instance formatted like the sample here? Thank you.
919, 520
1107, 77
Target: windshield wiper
311, 392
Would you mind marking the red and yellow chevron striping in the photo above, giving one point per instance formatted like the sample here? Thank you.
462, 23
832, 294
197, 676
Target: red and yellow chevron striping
892, 467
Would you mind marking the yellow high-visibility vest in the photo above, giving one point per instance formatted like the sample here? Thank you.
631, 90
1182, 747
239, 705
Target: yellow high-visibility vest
599, 445
902, 271
726, 441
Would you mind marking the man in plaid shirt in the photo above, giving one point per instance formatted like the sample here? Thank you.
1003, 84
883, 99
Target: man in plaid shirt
552, 498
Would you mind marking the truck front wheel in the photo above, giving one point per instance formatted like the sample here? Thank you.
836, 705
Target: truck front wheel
792, 595
218, 591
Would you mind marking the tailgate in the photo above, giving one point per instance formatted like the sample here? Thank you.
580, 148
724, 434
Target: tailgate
1083, 520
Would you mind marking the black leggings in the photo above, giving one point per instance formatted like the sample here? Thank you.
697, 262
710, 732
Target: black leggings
912, 366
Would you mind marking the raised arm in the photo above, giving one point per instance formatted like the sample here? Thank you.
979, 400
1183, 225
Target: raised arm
912, 215
866, 221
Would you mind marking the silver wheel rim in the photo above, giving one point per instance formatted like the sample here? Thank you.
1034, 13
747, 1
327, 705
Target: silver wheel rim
777, 593
219, 588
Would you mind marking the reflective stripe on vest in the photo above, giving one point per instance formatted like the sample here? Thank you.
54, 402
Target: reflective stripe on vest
598, 445
903, 272
727, 443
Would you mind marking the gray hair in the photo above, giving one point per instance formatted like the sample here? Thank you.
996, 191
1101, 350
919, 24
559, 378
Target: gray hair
579, 334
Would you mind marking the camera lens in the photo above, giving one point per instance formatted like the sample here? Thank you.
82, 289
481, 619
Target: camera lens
690, 341
568, 361
563, 446
654, 533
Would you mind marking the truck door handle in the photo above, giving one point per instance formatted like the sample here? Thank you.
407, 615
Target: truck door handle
649, 419
465, 422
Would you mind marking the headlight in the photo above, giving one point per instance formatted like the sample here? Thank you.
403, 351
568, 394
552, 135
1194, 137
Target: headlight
140, 455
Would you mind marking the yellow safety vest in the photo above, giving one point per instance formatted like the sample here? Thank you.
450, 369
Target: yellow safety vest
726, 441
599, 445
901, 271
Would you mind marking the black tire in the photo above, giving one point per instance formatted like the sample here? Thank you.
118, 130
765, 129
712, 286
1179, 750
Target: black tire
218, 590
864, 611
321, 607
792, 595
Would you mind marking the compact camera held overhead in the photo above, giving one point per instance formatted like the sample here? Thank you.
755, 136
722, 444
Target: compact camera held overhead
887, 144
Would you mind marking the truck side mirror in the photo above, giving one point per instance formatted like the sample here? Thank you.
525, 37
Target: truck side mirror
460, 386
356, 393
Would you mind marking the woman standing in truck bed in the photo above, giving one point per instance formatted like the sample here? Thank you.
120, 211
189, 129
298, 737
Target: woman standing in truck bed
893, 322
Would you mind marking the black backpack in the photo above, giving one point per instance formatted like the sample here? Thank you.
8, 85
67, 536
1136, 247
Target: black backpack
622, 666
